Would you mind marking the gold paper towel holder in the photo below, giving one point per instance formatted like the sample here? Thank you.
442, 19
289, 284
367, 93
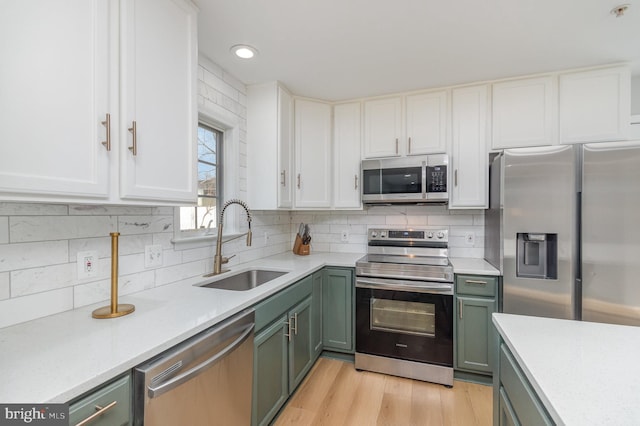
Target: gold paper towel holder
114, 310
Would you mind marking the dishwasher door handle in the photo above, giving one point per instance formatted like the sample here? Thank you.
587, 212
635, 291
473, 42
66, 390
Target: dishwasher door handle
192, 372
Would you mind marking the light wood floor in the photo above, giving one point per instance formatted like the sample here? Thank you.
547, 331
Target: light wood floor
334, 394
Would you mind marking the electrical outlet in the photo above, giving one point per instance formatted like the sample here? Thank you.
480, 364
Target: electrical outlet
344, 236
152, 256
470, 238
87, 262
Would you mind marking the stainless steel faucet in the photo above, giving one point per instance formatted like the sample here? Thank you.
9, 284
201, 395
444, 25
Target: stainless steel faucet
218, 260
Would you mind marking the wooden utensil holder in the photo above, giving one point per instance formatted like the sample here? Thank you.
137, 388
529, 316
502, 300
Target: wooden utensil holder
299, 248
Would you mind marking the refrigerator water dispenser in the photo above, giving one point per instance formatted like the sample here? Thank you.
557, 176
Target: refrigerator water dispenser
537, 256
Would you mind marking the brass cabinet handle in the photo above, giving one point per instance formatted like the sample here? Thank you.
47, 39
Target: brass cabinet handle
134, 132
298, 180
288, 333
356, 182
475, 282
460, 308
101, 411
283, 173
455, 178
107, 124
409, 145
396, 145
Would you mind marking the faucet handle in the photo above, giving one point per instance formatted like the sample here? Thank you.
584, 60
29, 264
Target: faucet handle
226, 259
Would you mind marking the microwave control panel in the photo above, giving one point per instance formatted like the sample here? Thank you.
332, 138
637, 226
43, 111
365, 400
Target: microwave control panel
436, 178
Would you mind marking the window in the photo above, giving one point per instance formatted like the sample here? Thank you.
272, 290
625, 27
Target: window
204, 215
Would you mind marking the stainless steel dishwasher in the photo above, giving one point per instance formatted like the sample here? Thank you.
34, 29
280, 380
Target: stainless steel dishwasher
206, 380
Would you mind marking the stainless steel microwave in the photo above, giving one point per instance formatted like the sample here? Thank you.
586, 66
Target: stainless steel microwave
415, 179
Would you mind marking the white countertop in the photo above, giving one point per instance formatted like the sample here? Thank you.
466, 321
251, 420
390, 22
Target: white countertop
466, 265
59, 357
584, 373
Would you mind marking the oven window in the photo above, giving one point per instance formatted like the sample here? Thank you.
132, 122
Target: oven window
405, 180
404, 317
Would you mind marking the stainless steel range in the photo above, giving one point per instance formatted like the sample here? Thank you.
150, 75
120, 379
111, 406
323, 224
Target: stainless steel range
404, 305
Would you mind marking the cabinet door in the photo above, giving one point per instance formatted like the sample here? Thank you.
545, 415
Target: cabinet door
316, 313
158, 89
525, 113
475, 334
54, 94
382, 127
285, 148
346, 155
595, 105
337, 309
427, 123
313, 154
300, 347
469, 153
270, 389
116, 394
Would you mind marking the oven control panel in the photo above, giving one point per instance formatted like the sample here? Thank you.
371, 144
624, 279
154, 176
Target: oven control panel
409, 235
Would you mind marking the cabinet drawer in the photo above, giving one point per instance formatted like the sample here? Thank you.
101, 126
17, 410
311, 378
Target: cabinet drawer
524, 402
270, 309
117, 394
476, 285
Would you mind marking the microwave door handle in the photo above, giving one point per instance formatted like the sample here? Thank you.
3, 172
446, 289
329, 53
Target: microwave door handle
424, 180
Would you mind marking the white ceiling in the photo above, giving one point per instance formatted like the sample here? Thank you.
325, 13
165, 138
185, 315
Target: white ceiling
345, 49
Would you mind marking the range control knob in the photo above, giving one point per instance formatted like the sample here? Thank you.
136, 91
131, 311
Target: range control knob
440, 235
374, 234
383, 234
429, 234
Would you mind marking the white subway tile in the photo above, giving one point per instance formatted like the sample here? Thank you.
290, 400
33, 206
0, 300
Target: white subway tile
38, 280
235, 83
31, 255
21, 309
131, 264
48, 228
98, 291
164, 239
449, 220
367, 220
180, 272
397, 220
32, 209
4, 230
5, 288
144, 224
205, 253
98, 210
163, 211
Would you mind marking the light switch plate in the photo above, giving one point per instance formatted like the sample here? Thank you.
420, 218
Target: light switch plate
152, 256
87, 262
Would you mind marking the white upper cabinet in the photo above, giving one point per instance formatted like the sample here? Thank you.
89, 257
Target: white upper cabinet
426, 123
54, 93
525, 112
382, 127
77, 75
595, 105
158, 88
346, 155
312, 154
469, 160
269, 146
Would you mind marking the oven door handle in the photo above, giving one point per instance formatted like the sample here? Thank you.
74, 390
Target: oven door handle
404, 285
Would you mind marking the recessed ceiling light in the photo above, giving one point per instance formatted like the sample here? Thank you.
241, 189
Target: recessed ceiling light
244, 51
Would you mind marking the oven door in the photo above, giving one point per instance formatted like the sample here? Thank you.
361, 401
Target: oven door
405, 320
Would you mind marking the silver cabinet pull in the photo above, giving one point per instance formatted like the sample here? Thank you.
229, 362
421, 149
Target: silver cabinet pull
475, 282
295, 326
409, 145
107, 124
455, 178
356, 182
101, 411
134, 132
284, 178
288, 333
396, 145
298, 180
460, 308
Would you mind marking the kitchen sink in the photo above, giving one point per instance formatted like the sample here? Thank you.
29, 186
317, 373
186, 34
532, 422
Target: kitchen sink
243, 281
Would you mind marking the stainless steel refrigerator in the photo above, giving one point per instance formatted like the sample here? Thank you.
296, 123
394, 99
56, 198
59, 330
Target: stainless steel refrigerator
569, 217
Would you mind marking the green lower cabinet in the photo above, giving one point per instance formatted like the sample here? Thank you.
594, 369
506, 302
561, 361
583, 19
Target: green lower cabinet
270, 365
316, 314
300, 346
114, 400
337, 310
475, 351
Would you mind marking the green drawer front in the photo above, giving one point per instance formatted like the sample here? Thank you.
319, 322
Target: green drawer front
524, 402
270, 309
119, 414
476, 285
